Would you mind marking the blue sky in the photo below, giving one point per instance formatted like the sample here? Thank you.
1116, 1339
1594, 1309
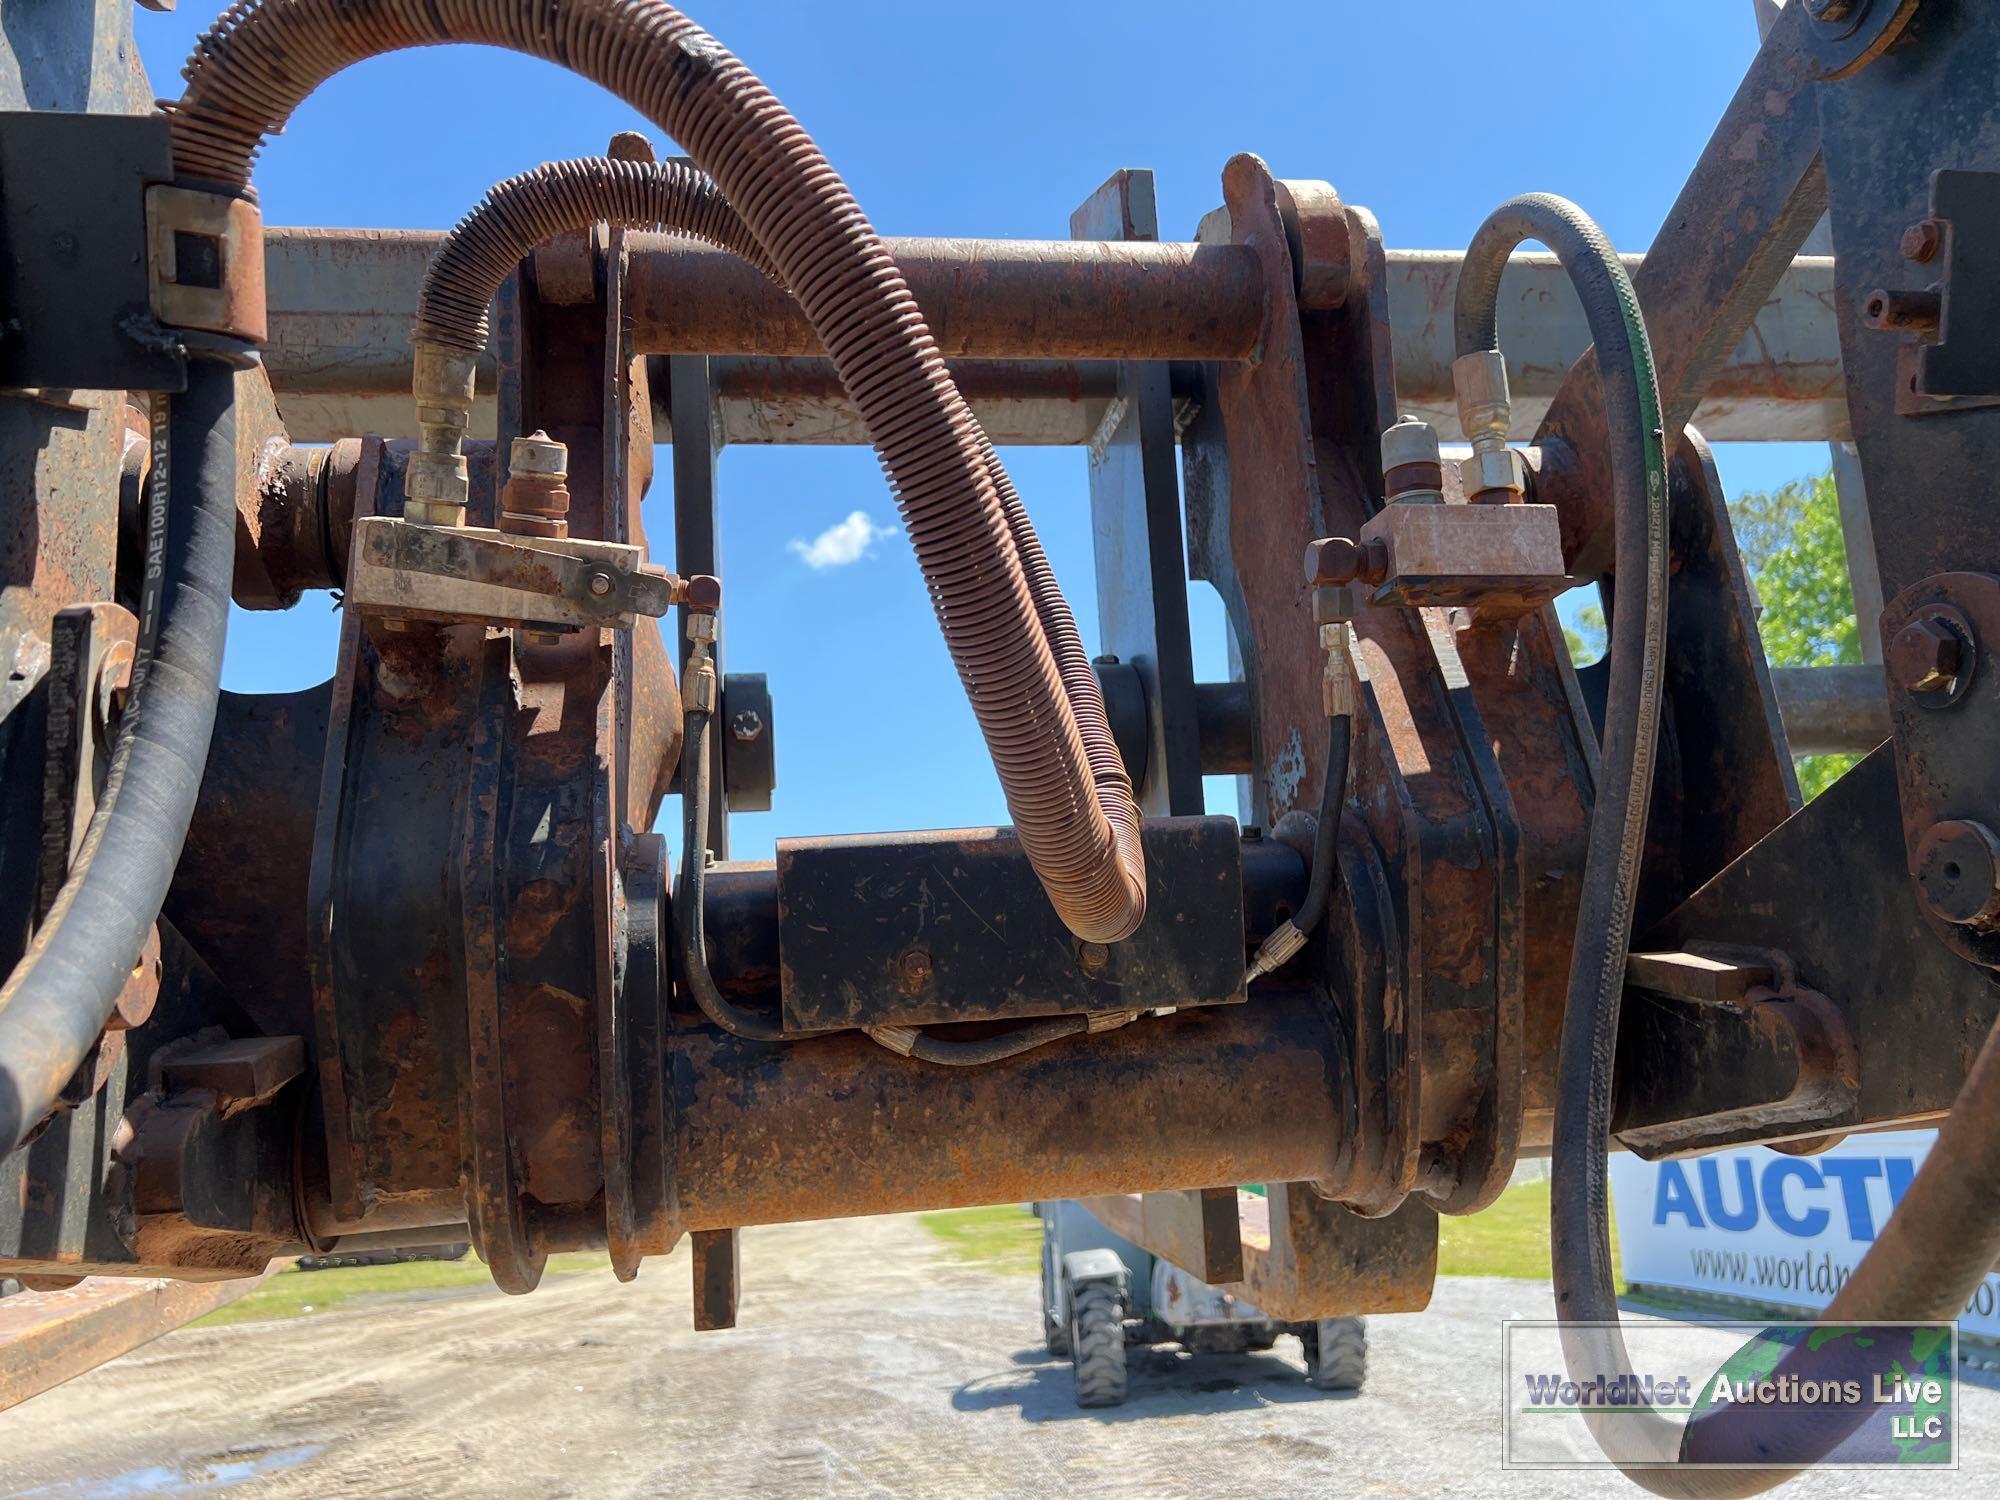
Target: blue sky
998, 120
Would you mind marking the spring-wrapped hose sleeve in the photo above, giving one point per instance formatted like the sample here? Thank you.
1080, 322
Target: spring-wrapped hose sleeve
557, 197
259, 61
55, 1003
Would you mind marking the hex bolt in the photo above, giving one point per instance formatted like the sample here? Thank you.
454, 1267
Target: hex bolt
1958, 873
1925, 656
1335, 560
601, 582
747, 725
1921, 241
1092, 958
915, 967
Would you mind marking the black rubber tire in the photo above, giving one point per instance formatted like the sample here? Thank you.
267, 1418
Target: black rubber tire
1097, 1334
1055, 1320
1336, 1351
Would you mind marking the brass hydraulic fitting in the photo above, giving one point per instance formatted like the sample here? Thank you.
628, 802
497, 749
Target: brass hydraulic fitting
1336, 681
1412, 465
535, 499
435, 486
1493, 474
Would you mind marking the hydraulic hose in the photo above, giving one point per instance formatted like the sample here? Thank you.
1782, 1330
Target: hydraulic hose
1290, 936
54, 1005
259, 61
1579, 1214
1944, 1237
529, 210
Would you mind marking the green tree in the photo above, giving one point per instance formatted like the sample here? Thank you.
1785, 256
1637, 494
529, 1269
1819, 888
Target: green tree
1792, 547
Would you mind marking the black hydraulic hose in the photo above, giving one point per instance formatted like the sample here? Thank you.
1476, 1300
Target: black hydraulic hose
952, 1053
54, 1005
1290, 936
1944, 1237
1579, 1213
1326, 837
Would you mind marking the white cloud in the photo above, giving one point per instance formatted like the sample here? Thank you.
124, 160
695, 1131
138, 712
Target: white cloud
845, 542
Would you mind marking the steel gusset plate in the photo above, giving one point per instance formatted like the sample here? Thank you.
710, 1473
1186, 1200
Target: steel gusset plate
1945, 765
1299, 438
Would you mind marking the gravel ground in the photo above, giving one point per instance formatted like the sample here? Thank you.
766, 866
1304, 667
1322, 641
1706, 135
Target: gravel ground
865, 1363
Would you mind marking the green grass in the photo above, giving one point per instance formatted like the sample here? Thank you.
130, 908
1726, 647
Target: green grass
1509, 1239
296, 1294
1004, 1238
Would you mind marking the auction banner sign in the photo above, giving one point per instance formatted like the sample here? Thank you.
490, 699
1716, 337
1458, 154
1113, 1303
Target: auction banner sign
1774, 1229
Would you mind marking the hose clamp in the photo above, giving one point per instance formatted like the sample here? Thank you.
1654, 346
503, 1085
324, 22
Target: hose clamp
205, 262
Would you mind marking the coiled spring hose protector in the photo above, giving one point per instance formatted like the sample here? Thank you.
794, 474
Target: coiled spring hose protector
1075, 816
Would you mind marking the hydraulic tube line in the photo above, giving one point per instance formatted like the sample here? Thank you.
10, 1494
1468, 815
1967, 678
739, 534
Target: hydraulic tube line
250, 72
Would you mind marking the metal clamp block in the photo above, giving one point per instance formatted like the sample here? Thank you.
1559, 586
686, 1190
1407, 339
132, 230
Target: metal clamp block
473, 575
1502, 558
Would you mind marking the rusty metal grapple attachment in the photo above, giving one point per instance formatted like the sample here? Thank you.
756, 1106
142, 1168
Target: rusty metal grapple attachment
422, 971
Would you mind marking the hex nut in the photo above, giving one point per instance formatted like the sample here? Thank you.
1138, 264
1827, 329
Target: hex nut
1958, 873
1925, 656
1921, 242
1492, 469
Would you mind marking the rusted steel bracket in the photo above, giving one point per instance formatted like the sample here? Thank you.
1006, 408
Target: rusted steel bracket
1142, 609
1754, 1055
1300, 1257
910, 929
1829, 888
1299, 438
1945, 710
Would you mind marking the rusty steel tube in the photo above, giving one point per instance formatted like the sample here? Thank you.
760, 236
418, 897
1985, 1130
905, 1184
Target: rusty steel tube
1002, 299
253, 68
839, 1126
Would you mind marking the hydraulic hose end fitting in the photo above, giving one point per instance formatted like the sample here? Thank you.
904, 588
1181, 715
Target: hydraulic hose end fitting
436, 486
535, 499
1492, 475
1412, 464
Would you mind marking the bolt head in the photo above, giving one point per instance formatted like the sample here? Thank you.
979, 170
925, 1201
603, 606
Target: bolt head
704, 594
601, 583
915, 968
1958, 873
1332, 560
1920, 241
1092, 958
1925, 655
